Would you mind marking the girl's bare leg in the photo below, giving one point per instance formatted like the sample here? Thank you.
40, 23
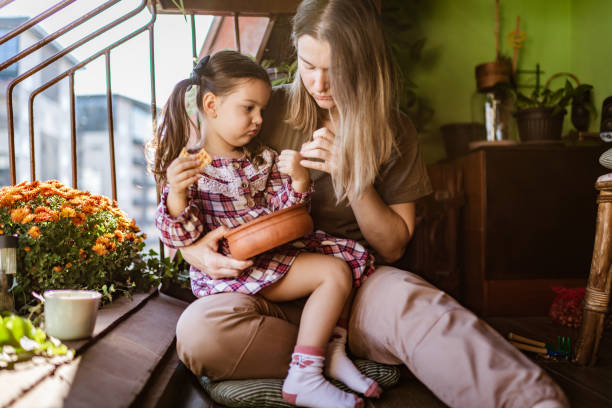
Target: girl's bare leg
328, 281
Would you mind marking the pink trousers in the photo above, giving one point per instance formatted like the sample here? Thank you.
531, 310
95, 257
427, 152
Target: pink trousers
397, 318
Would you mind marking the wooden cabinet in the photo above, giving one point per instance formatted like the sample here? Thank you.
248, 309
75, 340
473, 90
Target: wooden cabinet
527, 223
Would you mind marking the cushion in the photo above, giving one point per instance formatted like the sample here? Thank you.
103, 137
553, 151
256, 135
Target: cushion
266, 393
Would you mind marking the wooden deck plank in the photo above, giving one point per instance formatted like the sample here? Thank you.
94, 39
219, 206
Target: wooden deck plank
111, 315
113, 370
27, 375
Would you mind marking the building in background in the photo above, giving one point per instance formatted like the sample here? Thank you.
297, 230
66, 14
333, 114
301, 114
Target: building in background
51, 108
136, 192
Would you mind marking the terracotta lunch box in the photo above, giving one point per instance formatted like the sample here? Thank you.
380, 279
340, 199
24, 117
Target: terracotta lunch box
269, 231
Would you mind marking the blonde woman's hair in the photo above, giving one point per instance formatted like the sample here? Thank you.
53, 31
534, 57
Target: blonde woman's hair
221, 73
363, 83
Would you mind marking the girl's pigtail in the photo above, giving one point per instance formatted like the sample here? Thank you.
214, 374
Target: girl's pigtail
172, 134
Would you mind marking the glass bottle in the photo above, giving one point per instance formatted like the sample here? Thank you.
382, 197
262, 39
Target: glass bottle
8, 266
493, 108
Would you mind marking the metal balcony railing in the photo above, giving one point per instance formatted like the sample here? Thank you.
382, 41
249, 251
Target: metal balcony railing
70, 73
266, 8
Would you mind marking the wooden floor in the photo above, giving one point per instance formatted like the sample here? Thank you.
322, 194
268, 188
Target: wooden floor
585, 386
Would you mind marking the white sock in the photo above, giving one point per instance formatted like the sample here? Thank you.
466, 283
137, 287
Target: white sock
341, 368
305, 385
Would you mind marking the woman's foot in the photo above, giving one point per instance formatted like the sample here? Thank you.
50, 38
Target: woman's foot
341, 368
305, 385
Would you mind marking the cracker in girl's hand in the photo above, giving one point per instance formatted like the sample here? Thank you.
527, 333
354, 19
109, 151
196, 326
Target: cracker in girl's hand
201, 155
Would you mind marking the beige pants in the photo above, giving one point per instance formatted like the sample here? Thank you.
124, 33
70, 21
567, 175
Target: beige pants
396, 318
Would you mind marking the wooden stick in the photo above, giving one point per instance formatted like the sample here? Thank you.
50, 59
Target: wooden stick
533, 349
516, 39
496, 30
522, 339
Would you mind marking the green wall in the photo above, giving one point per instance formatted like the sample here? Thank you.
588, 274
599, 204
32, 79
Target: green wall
562, 36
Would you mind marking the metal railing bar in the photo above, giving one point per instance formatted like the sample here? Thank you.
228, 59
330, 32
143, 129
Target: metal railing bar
152, 72
265, 38
32, 150
35, 20
89, 59
71, 71
111, 126
154, 106
73, 140
14, 82
56, 34
5, 2
193, 40
236, 32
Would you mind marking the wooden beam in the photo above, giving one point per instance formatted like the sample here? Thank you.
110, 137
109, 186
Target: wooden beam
229, 7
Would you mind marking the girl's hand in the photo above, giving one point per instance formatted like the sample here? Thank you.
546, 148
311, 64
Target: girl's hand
321, 148
181, 173
204, 256
289, 163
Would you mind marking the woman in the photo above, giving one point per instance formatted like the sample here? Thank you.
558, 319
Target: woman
342, 113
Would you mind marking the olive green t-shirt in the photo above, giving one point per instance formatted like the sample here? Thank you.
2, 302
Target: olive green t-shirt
403, 178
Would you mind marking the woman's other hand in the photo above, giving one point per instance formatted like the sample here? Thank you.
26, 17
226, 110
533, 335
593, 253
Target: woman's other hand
320, 148
289, 163
204, 256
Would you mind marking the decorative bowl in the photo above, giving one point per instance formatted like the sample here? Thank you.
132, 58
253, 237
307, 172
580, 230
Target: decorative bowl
269, 231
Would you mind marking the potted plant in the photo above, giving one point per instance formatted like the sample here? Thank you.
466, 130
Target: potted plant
539, 115
71, 239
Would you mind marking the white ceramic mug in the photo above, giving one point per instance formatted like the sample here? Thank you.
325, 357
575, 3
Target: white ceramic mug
71, 314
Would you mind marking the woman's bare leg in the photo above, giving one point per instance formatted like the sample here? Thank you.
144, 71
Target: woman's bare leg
328, 281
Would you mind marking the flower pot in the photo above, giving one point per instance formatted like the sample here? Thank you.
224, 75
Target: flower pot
269, 231
457, 137
490, 74
539, 124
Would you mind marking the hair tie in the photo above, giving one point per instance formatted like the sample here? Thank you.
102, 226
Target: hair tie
198, 70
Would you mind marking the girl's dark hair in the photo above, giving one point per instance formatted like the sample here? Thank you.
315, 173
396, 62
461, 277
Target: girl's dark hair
220, 74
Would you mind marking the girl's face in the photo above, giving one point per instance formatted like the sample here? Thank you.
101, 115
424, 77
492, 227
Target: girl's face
233, 120
314, 58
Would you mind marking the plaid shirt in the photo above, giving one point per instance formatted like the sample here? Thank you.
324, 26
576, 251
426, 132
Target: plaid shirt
232, 192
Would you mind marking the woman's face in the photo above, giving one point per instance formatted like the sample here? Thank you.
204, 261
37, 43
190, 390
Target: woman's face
314, 58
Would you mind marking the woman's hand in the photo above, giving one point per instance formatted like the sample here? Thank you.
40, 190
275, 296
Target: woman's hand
321, 148
204, 256
289, 163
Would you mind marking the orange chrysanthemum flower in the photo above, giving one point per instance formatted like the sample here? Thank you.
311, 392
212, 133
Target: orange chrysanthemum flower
19, 213
42, 217
79, 219
99, 249
34, 232
68, 212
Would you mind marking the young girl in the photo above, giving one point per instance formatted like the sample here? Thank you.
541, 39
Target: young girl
246, 180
